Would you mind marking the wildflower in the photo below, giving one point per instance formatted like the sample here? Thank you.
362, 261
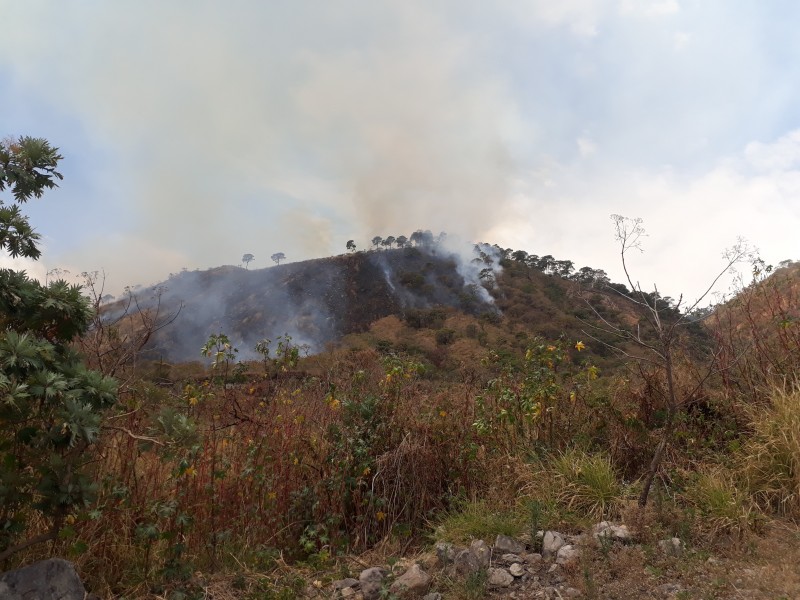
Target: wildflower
572, 396
70, 519
192, 401
271, 496
380, 515
366, 472
190, 471
551, 348
580, 346
442, 413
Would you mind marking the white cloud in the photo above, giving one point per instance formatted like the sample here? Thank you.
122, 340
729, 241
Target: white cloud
586, 147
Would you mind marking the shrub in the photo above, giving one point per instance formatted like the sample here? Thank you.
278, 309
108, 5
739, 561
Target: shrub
723, 506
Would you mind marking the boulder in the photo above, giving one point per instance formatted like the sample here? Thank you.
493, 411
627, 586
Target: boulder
411, 584
445, 552
54, 579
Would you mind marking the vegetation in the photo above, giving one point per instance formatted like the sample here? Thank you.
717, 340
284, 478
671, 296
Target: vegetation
561, 405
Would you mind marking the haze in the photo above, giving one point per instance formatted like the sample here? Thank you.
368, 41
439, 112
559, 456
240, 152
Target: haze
196, 132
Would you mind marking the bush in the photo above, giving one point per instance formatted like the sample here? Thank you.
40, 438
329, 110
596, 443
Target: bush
586, 483
722, 505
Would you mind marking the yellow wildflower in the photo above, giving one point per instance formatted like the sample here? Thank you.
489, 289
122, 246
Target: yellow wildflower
70, 519
272, 496
442, 413
366, 472
190, 471
192, 400
380, 515
580, 346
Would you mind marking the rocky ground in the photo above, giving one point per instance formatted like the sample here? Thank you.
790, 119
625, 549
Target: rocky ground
610, 561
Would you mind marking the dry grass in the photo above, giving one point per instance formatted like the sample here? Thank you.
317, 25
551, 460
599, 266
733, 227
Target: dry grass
772, 453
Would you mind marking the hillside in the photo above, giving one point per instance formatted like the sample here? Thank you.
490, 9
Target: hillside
320, 302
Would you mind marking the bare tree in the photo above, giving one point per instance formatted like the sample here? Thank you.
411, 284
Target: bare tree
656, 337
120, 330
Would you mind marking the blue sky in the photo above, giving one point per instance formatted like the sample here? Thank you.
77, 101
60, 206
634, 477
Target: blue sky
194, 132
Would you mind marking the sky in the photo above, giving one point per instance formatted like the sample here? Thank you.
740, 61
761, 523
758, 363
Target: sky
195, 132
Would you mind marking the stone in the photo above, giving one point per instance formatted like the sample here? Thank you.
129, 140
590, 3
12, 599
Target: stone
445, 552
551, 543
511, 558
567, 554
572, 592
553, 568
371, 581
608, 530
504, 544
411, 584
53, 578
466, 563
500, 577
347, 592
533, 559
482, 552
671, 547
432, 596
517, 570
343, 583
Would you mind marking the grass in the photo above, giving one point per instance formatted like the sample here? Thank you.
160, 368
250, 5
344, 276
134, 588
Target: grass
772, 454
472, 520
587, 484
724, 506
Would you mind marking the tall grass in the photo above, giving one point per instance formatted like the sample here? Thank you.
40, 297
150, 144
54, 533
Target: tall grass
772, 453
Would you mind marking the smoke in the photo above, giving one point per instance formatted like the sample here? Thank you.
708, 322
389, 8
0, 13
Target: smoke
252, 128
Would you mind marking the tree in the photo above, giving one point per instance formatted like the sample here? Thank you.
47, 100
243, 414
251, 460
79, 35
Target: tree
401, 241
388, 241
377, 241
247, 259
656, 338
51, 405
278, 257
351, 245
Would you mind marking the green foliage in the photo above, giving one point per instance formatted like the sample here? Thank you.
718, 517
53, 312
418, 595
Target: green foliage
50, 404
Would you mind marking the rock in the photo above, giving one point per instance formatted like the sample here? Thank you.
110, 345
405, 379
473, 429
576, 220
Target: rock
572, 592
466, 563
500, 578
517, 570
551, 543
511, 558
347, 592
533, 559
371, 581
343, 583
445, 552
567, 554
53, 578
504, 545
401, 566
481, 551
411, 584
553, 568
608, 530
432, 596
671, 547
